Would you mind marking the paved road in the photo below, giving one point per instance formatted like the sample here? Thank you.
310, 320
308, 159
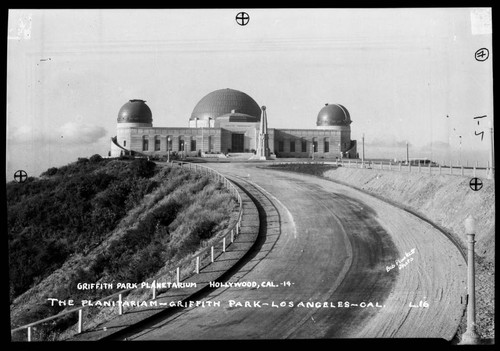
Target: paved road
333, 244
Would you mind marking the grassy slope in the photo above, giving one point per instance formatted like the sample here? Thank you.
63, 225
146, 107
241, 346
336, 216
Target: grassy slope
182, 212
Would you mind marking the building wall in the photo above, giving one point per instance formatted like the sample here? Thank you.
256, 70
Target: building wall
338, 141
178, 136
218, 140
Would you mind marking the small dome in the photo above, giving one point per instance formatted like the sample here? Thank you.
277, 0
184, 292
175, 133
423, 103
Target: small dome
224, 102
333, 115
135, 111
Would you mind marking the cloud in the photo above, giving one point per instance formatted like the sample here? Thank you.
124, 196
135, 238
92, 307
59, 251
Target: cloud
81, 133
71, 132
386, 142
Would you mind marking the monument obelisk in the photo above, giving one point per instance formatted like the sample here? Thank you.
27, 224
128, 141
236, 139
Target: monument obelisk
263, 142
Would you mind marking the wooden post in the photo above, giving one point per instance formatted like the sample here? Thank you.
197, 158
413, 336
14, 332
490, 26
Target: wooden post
197, 264
154, 289
232, 235
80, 320
462, 170
178, 275
451, 168
29, 334
474, 171
212, 254
224, 244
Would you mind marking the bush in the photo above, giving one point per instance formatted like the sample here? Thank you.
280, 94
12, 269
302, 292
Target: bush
50, 172
95, 158
143, 168
49, 219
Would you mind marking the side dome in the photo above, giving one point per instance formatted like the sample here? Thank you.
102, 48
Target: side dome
333, 115
226, 102
135, 111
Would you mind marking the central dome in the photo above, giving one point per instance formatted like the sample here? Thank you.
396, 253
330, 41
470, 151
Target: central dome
226, 102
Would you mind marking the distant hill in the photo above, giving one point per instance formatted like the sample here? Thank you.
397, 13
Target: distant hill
104, 220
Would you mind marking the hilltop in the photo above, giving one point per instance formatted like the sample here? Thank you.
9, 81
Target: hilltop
104, 220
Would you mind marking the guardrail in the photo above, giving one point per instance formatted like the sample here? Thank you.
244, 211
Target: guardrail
185, 268
438, 169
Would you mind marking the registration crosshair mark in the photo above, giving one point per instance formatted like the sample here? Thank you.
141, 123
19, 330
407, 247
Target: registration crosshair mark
20, 176
482, 54
242, 18
476, 184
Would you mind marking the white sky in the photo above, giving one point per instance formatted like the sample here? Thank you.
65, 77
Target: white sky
399, 72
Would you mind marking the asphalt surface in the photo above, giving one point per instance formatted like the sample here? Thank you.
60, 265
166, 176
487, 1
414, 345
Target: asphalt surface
327, 244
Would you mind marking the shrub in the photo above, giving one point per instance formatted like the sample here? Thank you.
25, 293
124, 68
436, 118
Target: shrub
50, 172
95, 158
143, 168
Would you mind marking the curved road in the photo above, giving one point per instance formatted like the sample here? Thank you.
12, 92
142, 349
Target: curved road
332, 244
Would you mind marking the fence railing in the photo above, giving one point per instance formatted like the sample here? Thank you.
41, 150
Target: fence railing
430, 168
185, 268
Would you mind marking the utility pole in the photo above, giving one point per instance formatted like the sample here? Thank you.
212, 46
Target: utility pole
363, 154
460, 148
407, 153
491, 173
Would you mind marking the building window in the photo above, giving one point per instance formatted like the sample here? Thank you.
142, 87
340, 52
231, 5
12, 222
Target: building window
124, 143
292, 145
145, 143
281, 146
157, 143
327, 145
315, 146
193, 145
304, 145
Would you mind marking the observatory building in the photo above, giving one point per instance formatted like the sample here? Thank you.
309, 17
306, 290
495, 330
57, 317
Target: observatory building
228, 121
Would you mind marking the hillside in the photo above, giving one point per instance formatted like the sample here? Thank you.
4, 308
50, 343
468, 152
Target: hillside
103, 220
446, 201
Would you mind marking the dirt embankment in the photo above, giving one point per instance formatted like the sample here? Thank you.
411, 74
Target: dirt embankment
446, 201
